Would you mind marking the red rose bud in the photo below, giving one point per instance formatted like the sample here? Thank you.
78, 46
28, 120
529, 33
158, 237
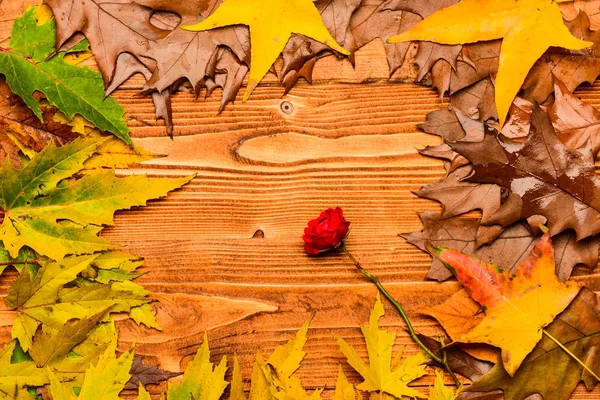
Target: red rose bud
326, 232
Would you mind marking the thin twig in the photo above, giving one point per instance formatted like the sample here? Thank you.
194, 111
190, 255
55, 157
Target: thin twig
18, 262
441, 361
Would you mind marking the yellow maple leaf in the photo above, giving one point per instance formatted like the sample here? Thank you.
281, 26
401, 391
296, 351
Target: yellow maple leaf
528, 29
271, 22
517, 305
382, 374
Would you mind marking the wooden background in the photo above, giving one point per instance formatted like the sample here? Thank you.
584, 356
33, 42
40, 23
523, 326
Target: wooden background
225, 254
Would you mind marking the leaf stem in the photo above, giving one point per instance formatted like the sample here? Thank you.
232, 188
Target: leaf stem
573, 356
441, 361
18, 262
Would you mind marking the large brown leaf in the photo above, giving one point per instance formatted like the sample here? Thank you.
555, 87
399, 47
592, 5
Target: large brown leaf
543, 177
507, 251
578, 328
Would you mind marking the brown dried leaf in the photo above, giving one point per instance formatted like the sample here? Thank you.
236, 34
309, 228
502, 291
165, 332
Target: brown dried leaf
147, 374
112, 27
543, 177
507, 251
571, 67
575, 121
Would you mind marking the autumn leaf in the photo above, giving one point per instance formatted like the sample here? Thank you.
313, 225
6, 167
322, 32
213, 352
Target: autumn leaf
278, 371
15, 376
237, 384
382, 374
344, 390
539, 175
144, 374
440, 391
528, 29
459, 361
578, 327
28, 68
105, 380
201, 379
517, 305
55, 219
507, 251
66, 314
267, 39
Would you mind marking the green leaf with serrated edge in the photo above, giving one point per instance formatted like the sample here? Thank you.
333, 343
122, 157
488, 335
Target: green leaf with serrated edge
108, 377
201, 381
36, 206
344, 390
15, 377
440, 391
378, 375
145, 315
237, 384
72, 89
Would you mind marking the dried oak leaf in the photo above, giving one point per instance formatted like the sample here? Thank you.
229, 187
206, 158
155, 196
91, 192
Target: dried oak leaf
301, 52
144, 374
517, 305
571, 10
573, 67
578, 328
527, 30
507, 251
112, 27
543, 177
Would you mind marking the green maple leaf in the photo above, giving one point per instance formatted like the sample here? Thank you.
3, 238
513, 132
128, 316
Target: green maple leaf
201, 380
48, 208
382, 374
72, 89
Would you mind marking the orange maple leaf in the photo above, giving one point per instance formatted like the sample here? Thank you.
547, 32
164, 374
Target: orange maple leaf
517, 305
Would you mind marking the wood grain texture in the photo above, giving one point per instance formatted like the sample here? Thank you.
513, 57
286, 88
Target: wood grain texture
225, 254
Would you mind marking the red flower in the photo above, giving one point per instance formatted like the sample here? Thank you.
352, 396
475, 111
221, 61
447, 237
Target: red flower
326, 232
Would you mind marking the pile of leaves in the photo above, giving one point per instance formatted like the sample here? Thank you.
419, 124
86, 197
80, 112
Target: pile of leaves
272, 378
144, 37
506, 184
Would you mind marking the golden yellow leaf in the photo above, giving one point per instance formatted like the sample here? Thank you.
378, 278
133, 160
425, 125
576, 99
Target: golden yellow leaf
517, 305
381, 374
271, 22
440, 391
528, 27
344, 390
